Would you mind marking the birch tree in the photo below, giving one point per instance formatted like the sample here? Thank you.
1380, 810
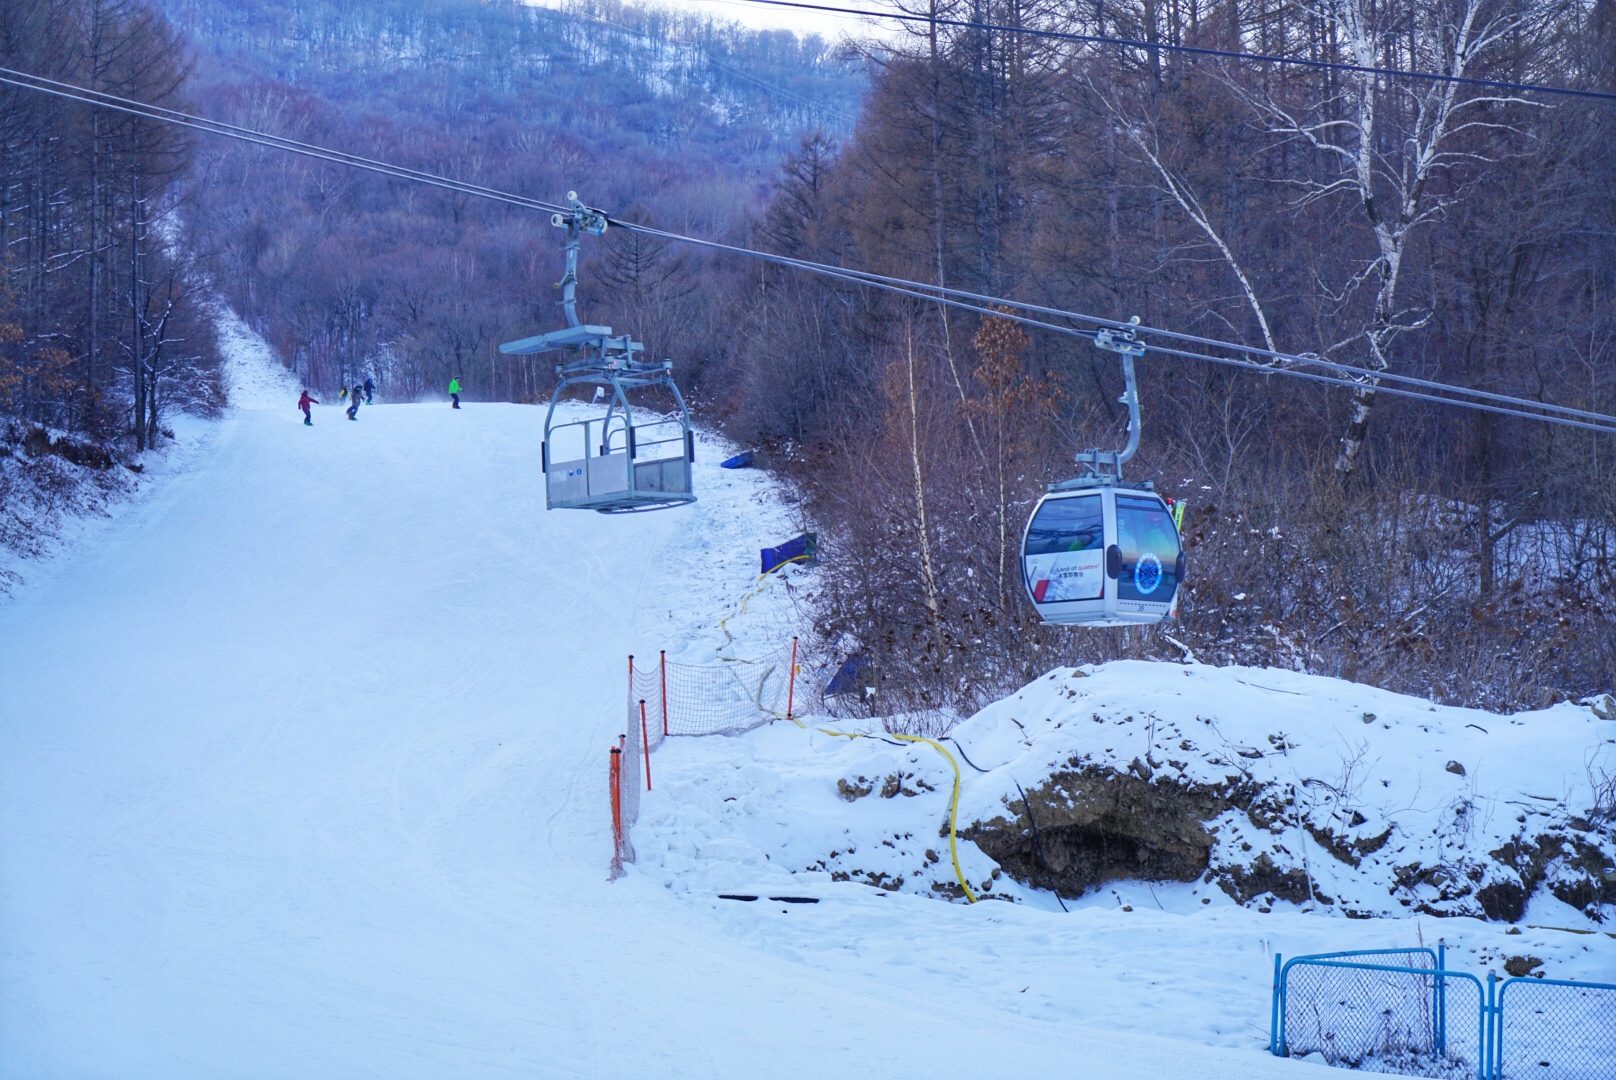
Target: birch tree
1384, 143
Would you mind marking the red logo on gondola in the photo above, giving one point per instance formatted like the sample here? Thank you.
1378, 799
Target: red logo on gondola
1038, 591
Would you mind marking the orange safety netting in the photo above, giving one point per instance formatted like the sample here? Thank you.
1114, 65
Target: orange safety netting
669, 698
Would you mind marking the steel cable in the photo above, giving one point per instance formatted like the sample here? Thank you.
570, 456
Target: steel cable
1189, 50
1343, 375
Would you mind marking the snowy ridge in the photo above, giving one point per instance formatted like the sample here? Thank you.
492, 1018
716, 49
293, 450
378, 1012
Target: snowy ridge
254, 376
1343, 794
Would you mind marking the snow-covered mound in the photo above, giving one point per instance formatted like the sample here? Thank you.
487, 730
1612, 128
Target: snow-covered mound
1275, 785
1258, 787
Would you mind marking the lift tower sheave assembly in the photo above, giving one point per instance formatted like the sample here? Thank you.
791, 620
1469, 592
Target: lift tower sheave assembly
611, 461
1098, 550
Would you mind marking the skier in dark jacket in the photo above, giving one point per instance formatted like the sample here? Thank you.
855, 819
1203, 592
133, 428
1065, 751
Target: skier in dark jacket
303, 403
370, 390
355, 396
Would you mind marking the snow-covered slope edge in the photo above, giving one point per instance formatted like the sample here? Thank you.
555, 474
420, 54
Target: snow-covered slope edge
1277, 786
51, 487
57, 495
1260, 787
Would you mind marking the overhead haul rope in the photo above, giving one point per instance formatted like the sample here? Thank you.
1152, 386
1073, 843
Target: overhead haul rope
1190, 50
1350, 377
1342, 375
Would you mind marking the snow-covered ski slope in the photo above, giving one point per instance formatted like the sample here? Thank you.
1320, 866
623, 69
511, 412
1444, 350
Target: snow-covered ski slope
303, 774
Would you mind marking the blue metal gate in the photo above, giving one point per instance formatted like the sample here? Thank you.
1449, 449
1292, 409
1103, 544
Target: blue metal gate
1402, 1011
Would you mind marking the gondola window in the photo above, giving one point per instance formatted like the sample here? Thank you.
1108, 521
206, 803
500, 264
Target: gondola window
1150, 547
1066, 550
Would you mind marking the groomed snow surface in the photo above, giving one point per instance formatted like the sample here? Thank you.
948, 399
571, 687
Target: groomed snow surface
303, 774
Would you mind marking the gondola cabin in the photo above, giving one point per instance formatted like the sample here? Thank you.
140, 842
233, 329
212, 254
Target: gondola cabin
1102, 556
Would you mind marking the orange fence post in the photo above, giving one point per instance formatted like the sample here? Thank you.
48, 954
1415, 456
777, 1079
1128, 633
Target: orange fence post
791, 689
645, 743
617, 804
664, 692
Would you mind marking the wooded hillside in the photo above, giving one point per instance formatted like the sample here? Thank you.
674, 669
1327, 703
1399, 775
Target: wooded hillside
1450, 231
102, 312
1459, 231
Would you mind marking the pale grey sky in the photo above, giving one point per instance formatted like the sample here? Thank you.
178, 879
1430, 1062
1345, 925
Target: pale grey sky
832, 27
762, 16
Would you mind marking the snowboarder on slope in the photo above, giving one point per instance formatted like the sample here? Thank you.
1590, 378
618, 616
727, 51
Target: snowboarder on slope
454, 391
370, 390
355, 396
303, 403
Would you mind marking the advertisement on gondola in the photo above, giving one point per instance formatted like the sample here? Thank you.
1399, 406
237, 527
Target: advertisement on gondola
1149, 546
1067, 575
1064, 557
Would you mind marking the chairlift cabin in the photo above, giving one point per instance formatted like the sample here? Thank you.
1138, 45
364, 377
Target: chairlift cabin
1099, 551
624, 457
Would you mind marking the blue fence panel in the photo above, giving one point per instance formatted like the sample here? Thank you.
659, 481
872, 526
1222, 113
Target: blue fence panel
1420, 957
1416, 1018
1382, 1017
1550, 1029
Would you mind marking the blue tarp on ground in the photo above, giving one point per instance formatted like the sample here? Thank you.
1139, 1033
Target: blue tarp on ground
742, 460
802, 549
850, 678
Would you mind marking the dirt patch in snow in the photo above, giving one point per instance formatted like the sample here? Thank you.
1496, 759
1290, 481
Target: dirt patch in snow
1085, 826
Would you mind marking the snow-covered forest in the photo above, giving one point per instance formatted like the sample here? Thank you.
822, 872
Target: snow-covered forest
312, 729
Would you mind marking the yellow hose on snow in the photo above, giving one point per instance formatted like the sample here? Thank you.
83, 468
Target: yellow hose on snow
953, 806
953, 809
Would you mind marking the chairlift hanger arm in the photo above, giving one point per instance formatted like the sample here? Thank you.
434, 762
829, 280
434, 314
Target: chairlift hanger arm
1124, 341
577, 219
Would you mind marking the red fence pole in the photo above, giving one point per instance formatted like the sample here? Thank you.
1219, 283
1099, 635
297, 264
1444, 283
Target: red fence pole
645, 741
617, 804
664, 692
791, 690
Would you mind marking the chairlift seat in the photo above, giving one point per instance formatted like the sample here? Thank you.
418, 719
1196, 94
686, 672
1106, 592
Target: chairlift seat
616, 463
610, 461
570, 337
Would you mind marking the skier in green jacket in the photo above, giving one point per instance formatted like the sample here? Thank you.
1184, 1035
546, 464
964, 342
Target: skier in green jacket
454, 391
